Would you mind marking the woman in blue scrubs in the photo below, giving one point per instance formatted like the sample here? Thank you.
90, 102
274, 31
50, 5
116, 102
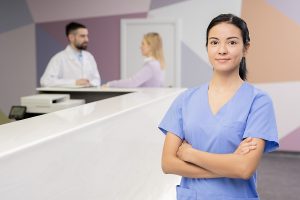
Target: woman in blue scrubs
217, 133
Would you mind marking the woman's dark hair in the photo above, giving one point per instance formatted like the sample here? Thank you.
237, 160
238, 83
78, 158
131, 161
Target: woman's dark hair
73, 26
241, 24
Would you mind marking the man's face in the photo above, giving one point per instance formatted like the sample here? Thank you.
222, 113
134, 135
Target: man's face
79, 38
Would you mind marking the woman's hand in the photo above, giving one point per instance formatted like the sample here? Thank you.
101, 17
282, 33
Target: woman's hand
183, 151
104, 86
245, 146
83, 82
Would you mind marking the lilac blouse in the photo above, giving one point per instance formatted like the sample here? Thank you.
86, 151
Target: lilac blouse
151, 75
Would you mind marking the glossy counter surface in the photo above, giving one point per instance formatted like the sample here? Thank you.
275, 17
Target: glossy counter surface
92, 89
109, 149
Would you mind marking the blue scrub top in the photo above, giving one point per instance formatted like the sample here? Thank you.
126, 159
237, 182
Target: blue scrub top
249, 113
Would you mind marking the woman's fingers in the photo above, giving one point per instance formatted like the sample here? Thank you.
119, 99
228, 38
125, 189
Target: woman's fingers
246, 146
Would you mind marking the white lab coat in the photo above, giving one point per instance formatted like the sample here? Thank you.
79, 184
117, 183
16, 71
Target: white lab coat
65, 68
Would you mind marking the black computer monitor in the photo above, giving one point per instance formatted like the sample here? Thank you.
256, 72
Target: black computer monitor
17, 112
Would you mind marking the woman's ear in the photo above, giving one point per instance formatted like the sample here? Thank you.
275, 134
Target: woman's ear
246, 48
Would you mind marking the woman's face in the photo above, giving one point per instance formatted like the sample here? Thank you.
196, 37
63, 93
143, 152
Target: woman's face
225, 47
145, 49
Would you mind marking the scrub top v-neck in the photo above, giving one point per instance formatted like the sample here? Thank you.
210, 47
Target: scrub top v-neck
220, 111
249, 113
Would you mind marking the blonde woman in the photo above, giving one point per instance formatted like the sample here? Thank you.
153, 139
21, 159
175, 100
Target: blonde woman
152, 72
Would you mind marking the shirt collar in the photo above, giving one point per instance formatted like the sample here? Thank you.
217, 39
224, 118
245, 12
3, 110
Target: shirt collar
147, 59
73, 52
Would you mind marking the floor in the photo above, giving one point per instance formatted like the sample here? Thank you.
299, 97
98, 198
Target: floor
279, 176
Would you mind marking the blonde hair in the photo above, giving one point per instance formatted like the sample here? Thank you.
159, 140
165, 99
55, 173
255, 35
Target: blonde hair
155, 43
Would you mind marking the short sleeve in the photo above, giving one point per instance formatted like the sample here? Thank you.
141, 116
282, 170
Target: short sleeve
261, 122
172, 121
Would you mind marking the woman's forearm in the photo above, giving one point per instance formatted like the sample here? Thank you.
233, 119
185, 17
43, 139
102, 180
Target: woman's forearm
173, 165
227, 165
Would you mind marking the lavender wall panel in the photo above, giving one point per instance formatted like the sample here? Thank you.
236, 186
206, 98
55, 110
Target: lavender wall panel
46, 47
194, 70
13, 14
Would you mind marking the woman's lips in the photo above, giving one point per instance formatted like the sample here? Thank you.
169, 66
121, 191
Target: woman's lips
222, 60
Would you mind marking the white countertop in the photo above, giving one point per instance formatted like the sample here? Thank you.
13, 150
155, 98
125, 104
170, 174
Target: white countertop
108, 149
18, 135
91, 89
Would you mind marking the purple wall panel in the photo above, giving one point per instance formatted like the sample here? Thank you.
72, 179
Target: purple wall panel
291, 141
290, 8
194, 71
46, 47
13, 14
56, 30
104, 41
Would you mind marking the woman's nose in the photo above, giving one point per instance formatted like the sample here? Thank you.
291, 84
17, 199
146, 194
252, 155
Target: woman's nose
222, 49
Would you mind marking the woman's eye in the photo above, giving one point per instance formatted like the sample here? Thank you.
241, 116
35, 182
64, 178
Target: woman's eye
214, 42
232, 42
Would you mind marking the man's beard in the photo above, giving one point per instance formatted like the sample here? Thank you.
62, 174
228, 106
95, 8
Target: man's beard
82, 46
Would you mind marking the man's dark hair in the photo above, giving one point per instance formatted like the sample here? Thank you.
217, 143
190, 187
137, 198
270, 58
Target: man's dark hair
73, 26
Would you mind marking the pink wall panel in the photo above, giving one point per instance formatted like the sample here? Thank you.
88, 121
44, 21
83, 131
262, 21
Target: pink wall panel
291, 141
55, 10
275, 43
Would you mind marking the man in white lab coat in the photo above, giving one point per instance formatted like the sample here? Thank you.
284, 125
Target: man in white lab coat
74, 66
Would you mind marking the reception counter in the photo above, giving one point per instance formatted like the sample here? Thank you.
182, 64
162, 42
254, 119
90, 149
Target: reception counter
90, 94
108, 149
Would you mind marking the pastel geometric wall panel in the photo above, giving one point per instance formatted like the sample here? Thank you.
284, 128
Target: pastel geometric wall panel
194, 71
161, 3
273, 34
46, 47
55, 10
291, 142
56, 30
286, 98
13, 14
289, 8
18, 66
104, 42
